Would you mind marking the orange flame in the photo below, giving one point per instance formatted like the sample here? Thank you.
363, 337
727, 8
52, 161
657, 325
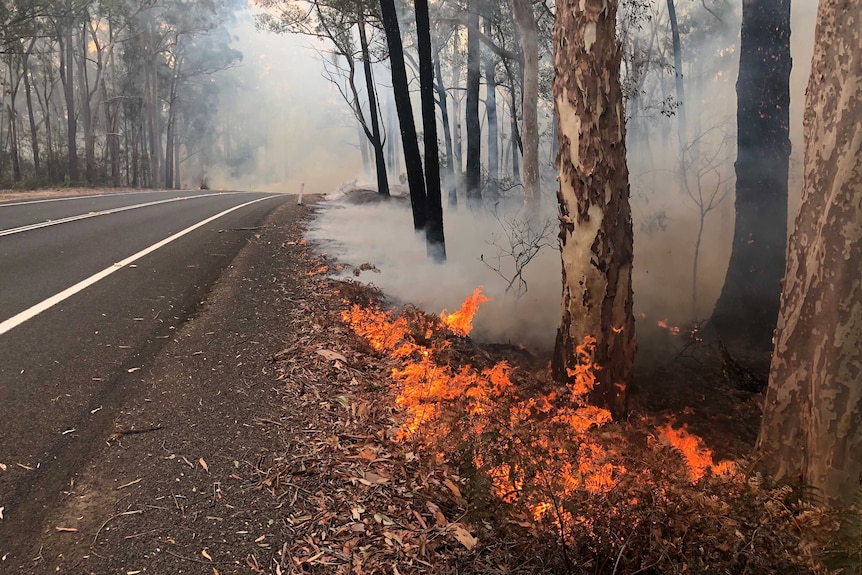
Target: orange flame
698, 458
673, 329
461, 322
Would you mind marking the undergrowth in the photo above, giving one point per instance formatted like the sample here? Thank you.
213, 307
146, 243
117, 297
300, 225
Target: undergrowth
594, 496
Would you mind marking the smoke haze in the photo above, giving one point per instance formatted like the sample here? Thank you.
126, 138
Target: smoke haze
308, 135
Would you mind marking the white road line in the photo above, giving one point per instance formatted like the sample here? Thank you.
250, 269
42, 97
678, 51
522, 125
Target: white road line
66, 198
68, 219
35, 310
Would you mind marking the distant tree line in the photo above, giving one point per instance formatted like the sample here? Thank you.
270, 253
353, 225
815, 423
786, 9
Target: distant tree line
111, 92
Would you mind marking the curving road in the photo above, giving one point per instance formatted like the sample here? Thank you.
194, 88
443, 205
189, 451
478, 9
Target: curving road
90, 290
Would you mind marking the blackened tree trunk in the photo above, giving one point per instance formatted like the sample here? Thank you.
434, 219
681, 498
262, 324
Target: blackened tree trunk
595, 216
493, 190
812, 421
526, 21
409, 139
447, 133
746, 312
473, 174
434, 225
376, 137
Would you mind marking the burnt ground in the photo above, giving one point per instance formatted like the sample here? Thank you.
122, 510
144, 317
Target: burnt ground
260, 441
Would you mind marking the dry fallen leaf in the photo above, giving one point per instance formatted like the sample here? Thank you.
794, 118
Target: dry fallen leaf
66, 529
1, 513
452, 487
331, 355
215, 571
2, 467
207, 555
204, 464
464, 537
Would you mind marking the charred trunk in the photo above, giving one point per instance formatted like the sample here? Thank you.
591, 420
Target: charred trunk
746, 312
434, 226
376, 137
409, 139
473, 174
595, 216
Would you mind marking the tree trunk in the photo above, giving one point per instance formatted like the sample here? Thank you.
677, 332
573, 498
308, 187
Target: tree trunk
473, 174
491, 109
746, 312
13, 143
363, 148
677, 68
434, 226
376, 137
409, 139
85, 110
447, 134
67, 76
526, 21
457, 144
812, 422
595, 216
28, 93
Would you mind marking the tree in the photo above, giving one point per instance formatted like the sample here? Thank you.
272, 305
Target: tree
746, 311
409, 139
434, 210
473, 173
812, 421
595, 216
526, 21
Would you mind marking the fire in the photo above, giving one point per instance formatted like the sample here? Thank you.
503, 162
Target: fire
673, 329
698, 458
461, 322
535, 447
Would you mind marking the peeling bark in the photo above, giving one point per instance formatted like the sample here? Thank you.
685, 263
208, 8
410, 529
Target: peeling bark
595, 216
812, 422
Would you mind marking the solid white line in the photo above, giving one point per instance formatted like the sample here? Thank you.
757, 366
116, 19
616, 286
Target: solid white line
35, 310
65, 198
68, 219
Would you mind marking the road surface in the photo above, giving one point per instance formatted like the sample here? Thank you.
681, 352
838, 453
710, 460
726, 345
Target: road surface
91, 288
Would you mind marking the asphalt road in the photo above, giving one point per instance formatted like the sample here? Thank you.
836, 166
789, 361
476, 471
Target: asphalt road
66, 368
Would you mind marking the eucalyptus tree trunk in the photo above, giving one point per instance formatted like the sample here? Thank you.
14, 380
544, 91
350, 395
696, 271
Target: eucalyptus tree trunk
526, 22
677, 69
447, 133
376, 137
595, 216
67, 74
493, 190
434, 206
28, 92
457, 145
812, 420
746, 312
473, 173
409, 139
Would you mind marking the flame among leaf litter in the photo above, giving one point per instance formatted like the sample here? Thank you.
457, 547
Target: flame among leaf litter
698, 458
461, 322
535, 447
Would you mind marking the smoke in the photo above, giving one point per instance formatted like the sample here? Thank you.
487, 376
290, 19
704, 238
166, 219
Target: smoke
382, 234
302, 131
281, 122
